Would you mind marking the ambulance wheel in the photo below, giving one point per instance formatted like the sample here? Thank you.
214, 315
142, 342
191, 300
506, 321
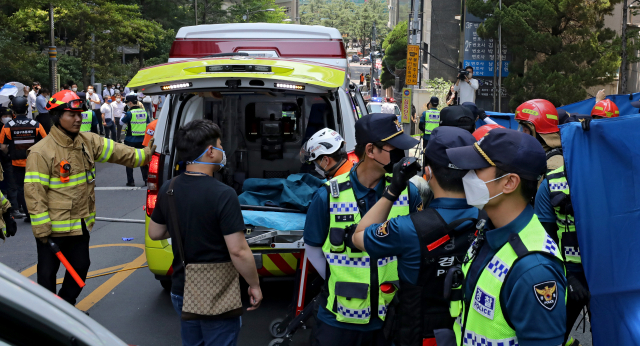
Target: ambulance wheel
276, 342
166, 284
273, 328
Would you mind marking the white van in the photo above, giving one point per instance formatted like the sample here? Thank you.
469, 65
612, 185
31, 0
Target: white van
269, 87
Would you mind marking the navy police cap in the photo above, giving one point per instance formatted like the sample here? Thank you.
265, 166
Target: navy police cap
382, 127
443, 138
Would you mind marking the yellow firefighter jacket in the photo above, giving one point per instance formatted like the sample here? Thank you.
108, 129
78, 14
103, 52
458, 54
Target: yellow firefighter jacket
59, 202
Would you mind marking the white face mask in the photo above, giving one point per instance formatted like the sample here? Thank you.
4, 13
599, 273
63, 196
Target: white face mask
90, 91
118, 100
5, 120
476, 190
74, 89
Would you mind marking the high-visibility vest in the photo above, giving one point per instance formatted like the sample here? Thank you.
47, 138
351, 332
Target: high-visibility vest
431, 120
484, 323
87, 118
138, 123
561, 201
350, 286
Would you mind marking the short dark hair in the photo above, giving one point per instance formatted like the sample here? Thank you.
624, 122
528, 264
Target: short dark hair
35, 83
359, 149
528, 188
449, 179
469, 67
44, 90
195, 136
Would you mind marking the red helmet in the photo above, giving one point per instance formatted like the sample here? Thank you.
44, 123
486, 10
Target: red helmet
482, 130
542, 114
605, 108
66, 100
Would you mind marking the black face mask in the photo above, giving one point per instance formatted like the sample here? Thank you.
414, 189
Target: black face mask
395, 156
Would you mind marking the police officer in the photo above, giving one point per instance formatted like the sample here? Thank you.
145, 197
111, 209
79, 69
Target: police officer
326, 150
416, 240
136, 120
89, 118
458, 116
429, 120
352, 305
539, 118
514, 282
20, 134
60, 189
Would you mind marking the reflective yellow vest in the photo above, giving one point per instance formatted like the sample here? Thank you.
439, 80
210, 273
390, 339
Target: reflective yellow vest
567, 235
87, 118
138, 123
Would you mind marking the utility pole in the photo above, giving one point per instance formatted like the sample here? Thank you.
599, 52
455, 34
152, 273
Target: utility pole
53, 69
623, 63
93, 56
372, 57
195, 9
500, 66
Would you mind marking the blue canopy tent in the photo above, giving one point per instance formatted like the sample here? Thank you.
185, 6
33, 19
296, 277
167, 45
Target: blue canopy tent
603, 170
622, 101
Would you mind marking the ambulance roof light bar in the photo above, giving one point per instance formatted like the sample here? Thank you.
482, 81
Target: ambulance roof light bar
176, 86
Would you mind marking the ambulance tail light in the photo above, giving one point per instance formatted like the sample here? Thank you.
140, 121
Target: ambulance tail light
351, 156
152, 183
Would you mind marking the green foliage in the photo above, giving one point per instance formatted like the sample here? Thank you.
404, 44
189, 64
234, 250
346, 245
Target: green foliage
439, 88
561, 47
395, 55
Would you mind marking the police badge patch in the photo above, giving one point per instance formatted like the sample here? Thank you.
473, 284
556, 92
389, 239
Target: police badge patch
546, 294
382, 232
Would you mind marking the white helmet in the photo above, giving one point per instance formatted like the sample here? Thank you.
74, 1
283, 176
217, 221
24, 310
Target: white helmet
323, 142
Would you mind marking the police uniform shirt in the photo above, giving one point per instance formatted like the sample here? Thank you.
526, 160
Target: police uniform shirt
401, 238
316, 230
534, 324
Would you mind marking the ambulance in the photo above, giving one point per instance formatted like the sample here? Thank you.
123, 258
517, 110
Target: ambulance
269, 87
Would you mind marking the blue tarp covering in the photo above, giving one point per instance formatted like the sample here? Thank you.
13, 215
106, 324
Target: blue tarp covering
603, 168
295, 192
622, 101
505, 119
275, 220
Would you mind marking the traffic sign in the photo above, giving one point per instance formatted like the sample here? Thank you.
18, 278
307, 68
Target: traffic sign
413, 55
406, 106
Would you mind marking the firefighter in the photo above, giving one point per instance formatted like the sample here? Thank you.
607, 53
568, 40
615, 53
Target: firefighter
136, 120
60, 185
19, 135
555, 210
514, 287
352, 304
326, 150
539, 118
415, 239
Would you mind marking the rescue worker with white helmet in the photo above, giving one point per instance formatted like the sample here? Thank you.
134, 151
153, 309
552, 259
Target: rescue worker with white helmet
326, 150
555, 210
59, 189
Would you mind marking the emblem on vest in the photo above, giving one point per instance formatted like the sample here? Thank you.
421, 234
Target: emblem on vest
484, 303
546, 294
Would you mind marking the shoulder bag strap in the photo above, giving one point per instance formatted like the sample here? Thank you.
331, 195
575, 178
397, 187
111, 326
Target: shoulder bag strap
174, 220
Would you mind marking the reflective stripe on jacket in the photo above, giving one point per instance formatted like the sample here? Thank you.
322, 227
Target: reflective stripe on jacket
561, 201
58, 203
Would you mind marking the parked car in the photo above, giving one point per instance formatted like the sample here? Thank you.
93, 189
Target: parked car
355, 58
365, 61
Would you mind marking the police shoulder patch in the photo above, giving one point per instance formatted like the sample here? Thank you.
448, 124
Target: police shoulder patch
382, 231
546, 294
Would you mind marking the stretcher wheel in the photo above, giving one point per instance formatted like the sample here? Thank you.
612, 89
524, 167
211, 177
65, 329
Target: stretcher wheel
276, 342
273, 328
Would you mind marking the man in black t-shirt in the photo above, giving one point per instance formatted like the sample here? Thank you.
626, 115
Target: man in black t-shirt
211, 229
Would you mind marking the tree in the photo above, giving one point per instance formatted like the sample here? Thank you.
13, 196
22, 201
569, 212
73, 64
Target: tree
560, 47
395, 55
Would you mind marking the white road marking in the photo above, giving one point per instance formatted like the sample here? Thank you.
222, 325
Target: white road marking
118, 188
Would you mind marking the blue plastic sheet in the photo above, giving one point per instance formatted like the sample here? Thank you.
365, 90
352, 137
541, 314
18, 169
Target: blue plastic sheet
294, 192
275, 220
504, 119
622, 101
603, 168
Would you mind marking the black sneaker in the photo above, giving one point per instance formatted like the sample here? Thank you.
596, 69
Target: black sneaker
131, 184
17, 215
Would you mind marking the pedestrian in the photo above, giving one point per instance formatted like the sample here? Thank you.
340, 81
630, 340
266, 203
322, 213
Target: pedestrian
17, 136
70, 85
466, 86
127, 91
214, 234
89, 118
539, 118
107, 120
108, 92
329, 159
118, 113
9, 187
62, 200
361, 78
429, 120
413, 239
74, 88
350, 312
41, 105
452, 96
146, 102
95, 103
33, 94
514, 287
136, 120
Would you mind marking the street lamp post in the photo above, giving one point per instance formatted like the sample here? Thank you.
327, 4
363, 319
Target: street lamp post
52, 53
246, 15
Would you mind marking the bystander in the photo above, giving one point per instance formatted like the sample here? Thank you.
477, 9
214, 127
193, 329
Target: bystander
43, 115
107, 120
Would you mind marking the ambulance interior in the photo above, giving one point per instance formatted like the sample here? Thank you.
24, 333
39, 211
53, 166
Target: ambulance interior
262, 131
